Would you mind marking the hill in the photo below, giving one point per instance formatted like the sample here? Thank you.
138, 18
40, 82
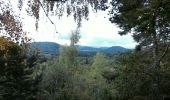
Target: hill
53, 48
116, 49
46, 47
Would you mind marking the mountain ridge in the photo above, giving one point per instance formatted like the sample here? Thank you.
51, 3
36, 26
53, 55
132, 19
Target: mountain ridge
53, 48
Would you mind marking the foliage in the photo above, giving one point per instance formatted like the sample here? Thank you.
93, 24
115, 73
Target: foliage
99, 65
68, 54
135, 80
79, 9
61, 78
65, 80
15, 65
141, 74
139, 16
148, 21
11, 26
15, 80
99, 88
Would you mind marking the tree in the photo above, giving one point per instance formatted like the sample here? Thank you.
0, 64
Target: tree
98, 86
63, 78
11, 25
15, 64
149, 22
68, 54
16, 82
132, 81
79, 9
99, 65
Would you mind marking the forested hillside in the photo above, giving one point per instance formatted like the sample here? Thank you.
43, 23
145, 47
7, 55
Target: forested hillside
114, 73
53, 48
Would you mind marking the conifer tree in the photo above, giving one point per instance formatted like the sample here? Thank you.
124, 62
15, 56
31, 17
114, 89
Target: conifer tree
16, 82
149, 23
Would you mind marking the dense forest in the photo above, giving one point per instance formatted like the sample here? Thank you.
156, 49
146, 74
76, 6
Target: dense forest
139, 74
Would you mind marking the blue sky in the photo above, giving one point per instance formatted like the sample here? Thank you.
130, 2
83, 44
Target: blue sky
97, 31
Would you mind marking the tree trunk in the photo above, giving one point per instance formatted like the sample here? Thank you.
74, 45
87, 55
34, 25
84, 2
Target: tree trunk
156, 62
157, 58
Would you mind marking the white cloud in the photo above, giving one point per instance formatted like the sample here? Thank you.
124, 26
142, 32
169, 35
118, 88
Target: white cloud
97, 31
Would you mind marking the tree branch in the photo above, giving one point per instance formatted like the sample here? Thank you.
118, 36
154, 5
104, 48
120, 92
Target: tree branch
166, 50
158, 60
47, 15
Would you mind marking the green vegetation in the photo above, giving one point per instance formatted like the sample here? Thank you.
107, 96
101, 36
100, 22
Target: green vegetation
127, 77
71, 77
140, 74
16, 69
135, 78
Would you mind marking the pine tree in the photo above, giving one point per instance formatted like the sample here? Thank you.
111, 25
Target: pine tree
15, 80
149, 23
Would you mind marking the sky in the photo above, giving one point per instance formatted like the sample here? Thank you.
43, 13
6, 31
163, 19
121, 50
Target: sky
98, 31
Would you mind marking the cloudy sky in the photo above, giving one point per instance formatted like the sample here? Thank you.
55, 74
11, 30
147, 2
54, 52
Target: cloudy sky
97, 31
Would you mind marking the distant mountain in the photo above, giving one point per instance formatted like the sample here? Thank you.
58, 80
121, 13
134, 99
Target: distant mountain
113, 49
53, 48
47, 47
116, 49
91, 49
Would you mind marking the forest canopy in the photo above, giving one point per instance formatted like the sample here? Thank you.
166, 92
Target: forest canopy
139, 74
